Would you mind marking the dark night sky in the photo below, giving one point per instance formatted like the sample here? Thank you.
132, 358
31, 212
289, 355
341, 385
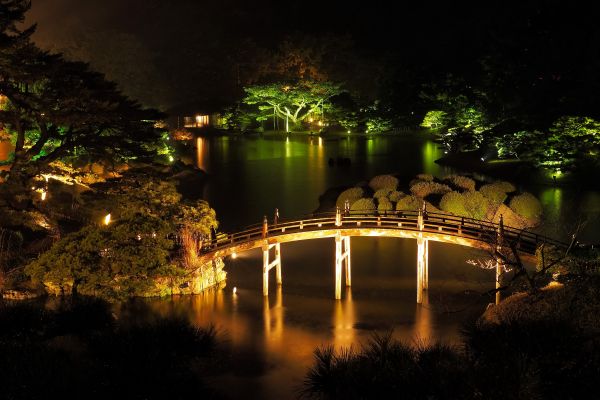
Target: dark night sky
447, 34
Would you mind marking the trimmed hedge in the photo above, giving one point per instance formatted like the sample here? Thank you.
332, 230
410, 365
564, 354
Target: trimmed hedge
452, 202
411, 203
423, 189
494, 193
395, 196
461, 182
383, 182
384, 205
385, 192
425, 177
351, 195
526, 205
363, 206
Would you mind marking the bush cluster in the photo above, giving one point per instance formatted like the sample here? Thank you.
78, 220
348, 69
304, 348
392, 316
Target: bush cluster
423, 189
526, 205
468, 204
363, 206
497, 192
383, 182
461, 182
385, 192
351, 195
409, 203
395, 196
384, 205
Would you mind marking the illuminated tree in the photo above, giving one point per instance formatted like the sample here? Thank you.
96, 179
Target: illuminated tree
292, 103
434, 119
60, 110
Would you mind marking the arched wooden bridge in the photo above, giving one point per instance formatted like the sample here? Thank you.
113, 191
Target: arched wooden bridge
419, 225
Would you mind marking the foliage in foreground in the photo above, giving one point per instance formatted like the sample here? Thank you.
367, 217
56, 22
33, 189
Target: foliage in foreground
545, 359
78, 347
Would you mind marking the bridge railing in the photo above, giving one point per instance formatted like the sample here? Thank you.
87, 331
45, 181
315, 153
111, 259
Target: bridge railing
407, 220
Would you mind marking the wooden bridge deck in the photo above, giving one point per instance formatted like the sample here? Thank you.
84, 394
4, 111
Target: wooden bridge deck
402, 224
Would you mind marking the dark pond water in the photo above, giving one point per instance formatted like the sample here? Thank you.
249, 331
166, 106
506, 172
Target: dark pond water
272, 339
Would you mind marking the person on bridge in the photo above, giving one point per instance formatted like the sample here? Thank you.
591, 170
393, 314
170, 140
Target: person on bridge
276, 217
346, 207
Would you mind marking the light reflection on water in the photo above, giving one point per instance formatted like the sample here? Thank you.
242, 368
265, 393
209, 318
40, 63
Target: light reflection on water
273, 339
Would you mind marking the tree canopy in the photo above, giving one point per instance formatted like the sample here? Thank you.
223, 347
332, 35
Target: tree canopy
55, 109
292, 102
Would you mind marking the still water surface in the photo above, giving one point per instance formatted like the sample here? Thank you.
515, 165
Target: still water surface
272, 339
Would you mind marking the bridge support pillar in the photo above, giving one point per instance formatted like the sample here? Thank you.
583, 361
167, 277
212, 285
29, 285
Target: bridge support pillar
422, 257
342, 261
422, 268
499, 261
268, 265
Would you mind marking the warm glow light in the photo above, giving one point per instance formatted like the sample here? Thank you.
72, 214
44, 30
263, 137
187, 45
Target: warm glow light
310, 120
320, 141
107, 219
43, 195
320, 123
234, 255
171, 159
349, 131
234, 290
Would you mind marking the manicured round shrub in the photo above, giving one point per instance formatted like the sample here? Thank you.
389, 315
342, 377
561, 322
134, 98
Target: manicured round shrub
395, 196
526, 205
494, 193
351, 195
507, 187
476, 205
384, 205
363, 206
468, 204
425, 177
422, 189
409, 203
453, 202
385, 192
383, 182
461, 182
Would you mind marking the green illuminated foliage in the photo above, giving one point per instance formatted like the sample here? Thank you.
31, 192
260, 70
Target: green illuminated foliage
363, 206
468, 204
291, 102
351, 195
452, 202
385, 192
395, 196
409, 203
55, 109
435, 119
384, 205
378, 125
497, 192
526, 205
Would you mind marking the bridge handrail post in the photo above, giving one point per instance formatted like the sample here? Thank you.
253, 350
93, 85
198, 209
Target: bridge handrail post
265, 227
